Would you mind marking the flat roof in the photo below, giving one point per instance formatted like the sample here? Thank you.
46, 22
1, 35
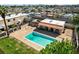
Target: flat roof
55, 22
13, 16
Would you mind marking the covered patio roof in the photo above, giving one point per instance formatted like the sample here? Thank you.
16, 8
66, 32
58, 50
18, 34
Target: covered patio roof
55, 24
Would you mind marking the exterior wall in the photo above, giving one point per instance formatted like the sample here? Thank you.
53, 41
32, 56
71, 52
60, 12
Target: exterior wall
35, 24
21, 18
1, 22
60, 28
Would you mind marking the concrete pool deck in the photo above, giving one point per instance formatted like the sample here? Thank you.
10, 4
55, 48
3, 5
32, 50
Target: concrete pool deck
19, 35
67, 35
25, 30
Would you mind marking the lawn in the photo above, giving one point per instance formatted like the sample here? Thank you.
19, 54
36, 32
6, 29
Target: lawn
12, 46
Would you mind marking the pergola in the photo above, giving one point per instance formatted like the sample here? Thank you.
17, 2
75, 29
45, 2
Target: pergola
54, 24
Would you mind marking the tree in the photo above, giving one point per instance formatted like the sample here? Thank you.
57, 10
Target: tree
39, 9
64, 47
3, 12
33, 10
1, 51
75, 20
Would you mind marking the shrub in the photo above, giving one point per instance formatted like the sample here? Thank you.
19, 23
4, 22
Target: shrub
64, 47
12, 26
75, 20
1, 51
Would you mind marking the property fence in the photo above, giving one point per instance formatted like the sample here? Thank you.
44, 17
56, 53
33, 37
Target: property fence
70, 26
4, 34
76, 38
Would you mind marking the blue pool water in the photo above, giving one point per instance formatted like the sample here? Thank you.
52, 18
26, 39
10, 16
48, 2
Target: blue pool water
39, 38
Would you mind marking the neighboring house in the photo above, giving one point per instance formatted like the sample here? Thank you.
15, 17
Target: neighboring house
68, 17
13, 18
38, 14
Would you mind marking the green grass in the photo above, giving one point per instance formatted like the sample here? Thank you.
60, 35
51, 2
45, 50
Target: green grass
12, 46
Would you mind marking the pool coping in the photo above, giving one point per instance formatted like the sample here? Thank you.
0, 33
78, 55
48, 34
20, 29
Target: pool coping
32, 41
37, 43
46, 35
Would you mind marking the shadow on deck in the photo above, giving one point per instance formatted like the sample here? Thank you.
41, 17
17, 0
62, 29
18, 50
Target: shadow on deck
50, 33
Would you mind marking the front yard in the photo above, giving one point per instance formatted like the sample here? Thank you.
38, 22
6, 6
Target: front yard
12, 46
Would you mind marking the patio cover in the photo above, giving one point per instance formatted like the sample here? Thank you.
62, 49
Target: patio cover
55, 24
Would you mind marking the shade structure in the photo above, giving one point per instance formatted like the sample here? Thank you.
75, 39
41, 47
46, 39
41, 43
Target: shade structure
51, 23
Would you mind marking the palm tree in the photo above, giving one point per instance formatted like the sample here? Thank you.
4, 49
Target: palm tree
3, 12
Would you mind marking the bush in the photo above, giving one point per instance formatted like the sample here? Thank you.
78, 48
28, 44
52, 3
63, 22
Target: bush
12, 26
64, 47
75, 20
1, 51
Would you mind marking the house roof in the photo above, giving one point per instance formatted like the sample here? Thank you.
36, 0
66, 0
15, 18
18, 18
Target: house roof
13, 16
54, 22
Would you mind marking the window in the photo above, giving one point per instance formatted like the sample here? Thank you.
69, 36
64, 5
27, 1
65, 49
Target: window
8, 20
14, 19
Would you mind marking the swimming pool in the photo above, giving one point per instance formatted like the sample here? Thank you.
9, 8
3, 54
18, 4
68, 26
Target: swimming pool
39, 38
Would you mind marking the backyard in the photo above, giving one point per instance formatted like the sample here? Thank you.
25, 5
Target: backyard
12, 46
